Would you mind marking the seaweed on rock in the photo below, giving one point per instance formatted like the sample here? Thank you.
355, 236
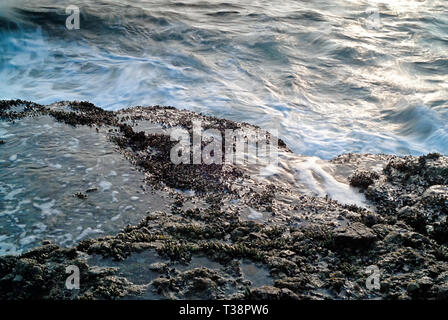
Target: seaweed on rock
313, 247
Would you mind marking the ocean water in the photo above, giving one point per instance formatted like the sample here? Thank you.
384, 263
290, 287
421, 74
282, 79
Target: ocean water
332, 76
42, 168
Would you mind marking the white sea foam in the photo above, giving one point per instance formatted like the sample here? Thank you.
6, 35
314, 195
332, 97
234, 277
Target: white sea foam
105, 185
312, 174
27, 240
46, 208
11, 195
115, 218
55, 165
7, 248
254, 214
88, 232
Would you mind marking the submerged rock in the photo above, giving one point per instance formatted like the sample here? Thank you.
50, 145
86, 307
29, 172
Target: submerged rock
220, 231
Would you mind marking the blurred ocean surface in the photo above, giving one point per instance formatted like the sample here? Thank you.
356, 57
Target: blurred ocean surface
332, 77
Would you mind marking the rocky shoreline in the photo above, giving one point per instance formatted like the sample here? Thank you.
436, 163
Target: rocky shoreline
207, 246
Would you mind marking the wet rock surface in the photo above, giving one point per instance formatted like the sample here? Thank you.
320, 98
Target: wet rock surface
224, 234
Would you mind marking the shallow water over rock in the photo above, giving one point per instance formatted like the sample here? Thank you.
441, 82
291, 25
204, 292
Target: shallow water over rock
65, 184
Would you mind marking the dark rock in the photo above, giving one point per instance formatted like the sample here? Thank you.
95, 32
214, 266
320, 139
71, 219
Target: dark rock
413, 286
159, 267
354, 235
80, 195
272, 293
363, 179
